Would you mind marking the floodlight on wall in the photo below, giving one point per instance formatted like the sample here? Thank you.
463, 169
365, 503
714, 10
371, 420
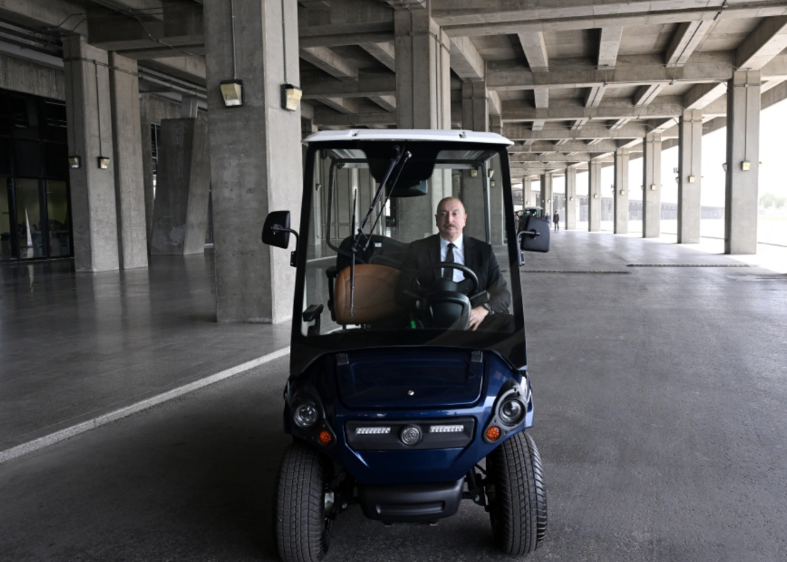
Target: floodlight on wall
724, 165
491, 173
570, 198
232, 92
491, 183
317, 186
290, 97
654, 187
745, 165
473, 173
103, 162
622, 191
595, 196
74, 162
760, 166
692, 179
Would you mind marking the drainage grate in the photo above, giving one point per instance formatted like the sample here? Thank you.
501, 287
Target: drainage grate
687, 265
576, 271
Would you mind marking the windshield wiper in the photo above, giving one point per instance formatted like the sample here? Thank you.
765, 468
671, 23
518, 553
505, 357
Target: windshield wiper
403, 156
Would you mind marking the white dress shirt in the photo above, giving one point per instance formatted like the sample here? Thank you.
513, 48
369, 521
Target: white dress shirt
459, 255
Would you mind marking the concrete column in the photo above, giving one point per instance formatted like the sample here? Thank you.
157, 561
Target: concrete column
546, 193
651, 186
423, 101
496, 124
621, 195
180, 214
594, 196
89, 115
689, 176
129, 172
189, 107
527, 192
743, 146
572, 203
253, 148
475, 117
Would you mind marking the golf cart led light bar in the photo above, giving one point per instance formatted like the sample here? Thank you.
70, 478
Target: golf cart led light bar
372, 430
446, 429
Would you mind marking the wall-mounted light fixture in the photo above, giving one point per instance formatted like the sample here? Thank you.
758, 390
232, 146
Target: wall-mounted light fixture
290, 97
745, 165
491, 173
570, 198
692, 179
74, 162
491, 182
232, 93
595, 196
103, 162
473, 173
654, 187
622, 191
317, 186
724, 165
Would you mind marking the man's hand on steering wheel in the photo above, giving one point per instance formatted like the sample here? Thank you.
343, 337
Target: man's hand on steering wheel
477, 316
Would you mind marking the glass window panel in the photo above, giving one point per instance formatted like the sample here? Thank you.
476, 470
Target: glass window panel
28, 218
57, 210
5, 223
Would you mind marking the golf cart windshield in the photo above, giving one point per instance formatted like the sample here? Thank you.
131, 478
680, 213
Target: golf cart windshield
406, 243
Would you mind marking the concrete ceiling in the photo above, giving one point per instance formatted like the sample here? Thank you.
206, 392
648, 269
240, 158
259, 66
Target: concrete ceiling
574, 73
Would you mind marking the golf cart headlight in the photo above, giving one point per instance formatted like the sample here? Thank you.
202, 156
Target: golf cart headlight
512, 411
306, 415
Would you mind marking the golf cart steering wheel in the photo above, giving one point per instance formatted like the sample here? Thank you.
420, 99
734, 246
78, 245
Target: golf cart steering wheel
444, 303
469, 274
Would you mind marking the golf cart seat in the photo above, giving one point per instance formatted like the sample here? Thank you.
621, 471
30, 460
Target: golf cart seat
382, 251
374, 298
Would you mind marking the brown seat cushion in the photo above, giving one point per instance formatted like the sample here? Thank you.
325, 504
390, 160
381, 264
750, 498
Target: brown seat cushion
374, 299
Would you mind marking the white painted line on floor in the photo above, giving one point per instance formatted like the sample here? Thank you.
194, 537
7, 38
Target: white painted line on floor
63, 434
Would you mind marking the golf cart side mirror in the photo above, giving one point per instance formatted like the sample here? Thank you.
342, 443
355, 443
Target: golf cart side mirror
535, 236
276, 232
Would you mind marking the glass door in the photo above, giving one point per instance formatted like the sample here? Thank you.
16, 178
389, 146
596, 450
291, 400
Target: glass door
29, 219
7, 234
58, 218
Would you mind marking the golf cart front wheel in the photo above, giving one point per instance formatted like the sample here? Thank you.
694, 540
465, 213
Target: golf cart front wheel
302, 505
517, 497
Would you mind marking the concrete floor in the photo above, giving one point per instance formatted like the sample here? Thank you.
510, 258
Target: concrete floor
76, 346
660, 396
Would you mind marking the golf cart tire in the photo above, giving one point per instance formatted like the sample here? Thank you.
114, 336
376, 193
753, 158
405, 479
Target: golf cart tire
302, 530
519, 508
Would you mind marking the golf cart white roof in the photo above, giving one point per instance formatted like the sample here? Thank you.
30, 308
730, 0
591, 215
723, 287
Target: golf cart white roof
408, 134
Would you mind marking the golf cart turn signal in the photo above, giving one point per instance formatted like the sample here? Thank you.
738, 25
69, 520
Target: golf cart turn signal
325, 438
493, 433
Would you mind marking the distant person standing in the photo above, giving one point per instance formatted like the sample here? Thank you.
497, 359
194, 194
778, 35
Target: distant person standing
556, 221
548, 218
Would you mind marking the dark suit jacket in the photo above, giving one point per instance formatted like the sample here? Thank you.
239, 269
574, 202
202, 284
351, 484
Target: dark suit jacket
479, 257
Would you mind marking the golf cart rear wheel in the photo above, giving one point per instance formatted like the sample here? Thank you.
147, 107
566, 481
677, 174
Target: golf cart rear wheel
518, 499
302, 528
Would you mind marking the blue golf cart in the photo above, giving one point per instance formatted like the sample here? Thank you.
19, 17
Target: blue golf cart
408, 389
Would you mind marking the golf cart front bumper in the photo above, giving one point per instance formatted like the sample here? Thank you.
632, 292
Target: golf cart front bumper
411, 503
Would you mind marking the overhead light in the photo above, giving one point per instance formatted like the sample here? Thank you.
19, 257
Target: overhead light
745, 165
103, 162
290, 97
232, 92
74, 162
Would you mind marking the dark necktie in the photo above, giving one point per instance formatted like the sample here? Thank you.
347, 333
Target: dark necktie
448, 273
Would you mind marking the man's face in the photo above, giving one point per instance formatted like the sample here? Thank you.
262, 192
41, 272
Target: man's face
450, 219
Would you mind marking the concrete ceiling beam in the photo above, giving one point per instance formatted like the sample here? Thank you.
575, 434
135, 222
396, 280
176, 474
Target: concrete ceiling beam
191, 69
608, 46
475, 19
514, 112
535, 50
541, 98
588, 132
702, 95
687, 38
342, 34
630, 70
366, 86
466, 61
646, 94
594, 95
388, 103
763, 44
342, 105
330, 62
495, 105
530, 146
383, 52
538, 125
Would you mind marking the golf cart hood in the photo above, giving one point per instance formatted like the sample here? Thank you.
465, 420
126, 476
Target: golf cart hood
419, 378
